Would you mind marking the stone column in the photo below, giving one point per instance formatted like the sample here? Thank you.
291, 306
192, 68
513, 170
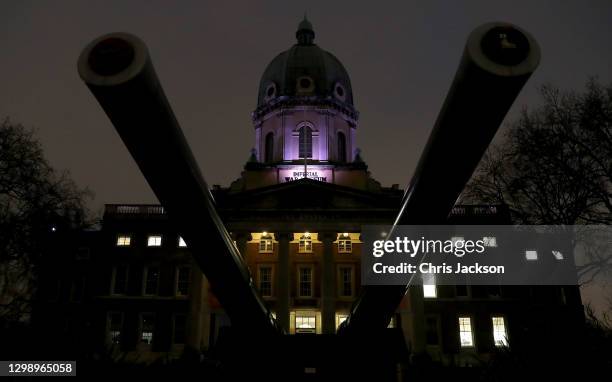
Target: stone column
283, 286
328, 284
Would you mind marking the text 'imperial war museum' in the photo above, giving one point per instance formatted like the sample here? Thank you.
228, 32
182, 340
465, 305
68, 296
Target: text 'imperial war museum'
295, 214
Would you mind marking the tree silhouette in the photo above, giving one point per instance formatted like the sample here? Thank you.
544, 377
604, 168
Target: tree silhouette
36, 202
555, 167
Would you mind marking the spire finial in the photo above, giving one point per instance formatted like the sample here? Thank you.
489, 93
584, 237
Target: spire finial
305, 34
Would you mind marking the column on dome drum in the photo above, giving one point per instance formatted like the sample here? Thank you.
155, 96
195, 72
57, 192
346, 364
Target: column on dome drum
118, 70
497, 61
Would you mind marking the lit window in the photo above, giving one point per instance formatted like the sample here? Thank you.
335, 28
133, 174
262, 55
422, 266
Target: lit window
500, 336
429, 286
265, 281
305, 282
345, 245
346, 281
340, 318
430, 291
124, 241
115, 336
180, 324
181, 242
154, 241
489, 241
305, 142
266, 244
119, 279
305, 322
151, 280
183, 276
305, 244
457, 240
115, 326
147, 327
531, 255
466, 336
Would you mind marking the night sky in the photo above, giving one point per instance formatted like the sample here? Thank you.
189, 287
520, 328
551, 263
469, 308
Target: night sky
401, 57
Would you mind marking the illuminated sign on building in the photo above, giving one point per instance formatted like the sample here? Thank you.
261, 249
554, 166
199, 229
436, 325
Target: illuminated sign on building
312, 172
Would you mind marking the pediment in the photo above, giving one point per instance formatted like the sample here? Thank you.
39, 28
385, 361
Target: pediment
308, 194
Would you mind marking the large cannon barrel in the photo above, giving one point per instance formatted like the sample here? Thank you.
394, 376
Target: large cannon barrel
497, 61
118, 70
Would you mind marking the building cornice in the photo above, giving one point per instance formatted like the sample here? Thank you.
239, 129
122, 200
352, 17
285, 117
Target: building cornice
285, 103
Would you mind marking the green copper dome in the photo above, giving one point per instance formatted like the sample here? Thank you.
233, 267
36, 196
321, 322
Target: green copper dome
305, 70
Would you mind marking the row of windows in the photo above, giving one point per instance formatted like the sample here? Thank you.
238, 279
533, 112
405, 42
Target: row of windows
309, 321
430, 290
266, 244
146, 328
125, 240
465, 328
346, 281
466, 331
150, 280
304, 145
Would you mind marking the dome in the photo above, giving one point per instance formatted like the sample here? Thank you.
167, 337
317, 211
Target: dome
305, 70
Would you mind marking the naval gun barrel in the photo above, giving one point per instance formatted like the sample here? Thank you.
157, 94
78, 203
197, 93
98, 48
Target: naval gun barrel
118, 70
497, 61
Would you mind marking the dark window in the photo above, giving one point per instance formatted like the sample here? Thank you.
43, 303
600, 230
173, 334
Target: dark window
431, 331
120, 276
183, 275
115, 326
305, 139
271, 90
494, 290
305, 83
78, 287
265, 281
461, 290
340, 91
341, 147
180, 325
346, 281
269, 156
151, 280
305, 285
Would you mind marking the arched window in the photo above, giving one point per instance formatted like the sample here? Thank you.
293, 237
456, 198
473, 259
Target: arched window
341, 147
305, 142
269, 156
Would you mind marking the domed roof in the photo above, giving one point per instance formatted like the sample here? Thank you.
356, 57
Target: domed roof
305, 70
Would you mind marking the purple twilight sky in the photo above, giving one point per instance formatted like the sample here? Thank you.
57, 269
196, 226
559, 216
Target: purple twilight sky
401, 57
